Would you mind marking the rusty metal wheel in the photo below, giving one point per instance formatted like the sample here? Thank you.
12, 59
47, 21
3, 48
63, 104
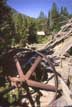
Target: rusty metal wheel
33, 68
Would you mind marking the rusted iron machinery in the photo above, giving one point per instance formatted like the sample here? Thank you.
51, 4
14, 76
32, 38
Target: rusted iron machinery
29, 68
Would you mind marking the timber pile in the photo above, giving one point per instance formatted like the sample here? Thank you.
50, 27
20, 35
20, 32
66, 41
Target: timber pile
62, 35
61, 44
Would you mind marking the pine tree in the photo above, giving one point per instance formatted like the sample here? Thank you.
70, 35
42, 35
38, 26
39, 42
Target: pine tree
64, 15
54, 11
41, 21
21, 27
62, 11
65, 12
6, 23
42, 15
49, 22
53, 18
32, 38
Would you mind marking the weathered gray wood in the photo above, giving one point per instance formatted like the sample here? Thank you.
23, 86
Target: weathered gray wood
66, 91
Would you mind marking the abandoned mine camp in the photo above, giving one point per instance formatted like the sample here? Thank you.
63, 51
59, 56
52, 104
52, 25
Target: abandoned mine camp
35, 53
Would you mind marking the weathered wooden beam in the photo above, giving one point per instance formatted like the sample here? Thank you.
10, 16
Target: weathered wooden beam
66, 91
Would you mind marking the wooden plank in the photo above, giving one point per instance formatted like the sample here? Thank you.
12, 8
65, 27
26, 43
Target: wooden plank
66, 91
